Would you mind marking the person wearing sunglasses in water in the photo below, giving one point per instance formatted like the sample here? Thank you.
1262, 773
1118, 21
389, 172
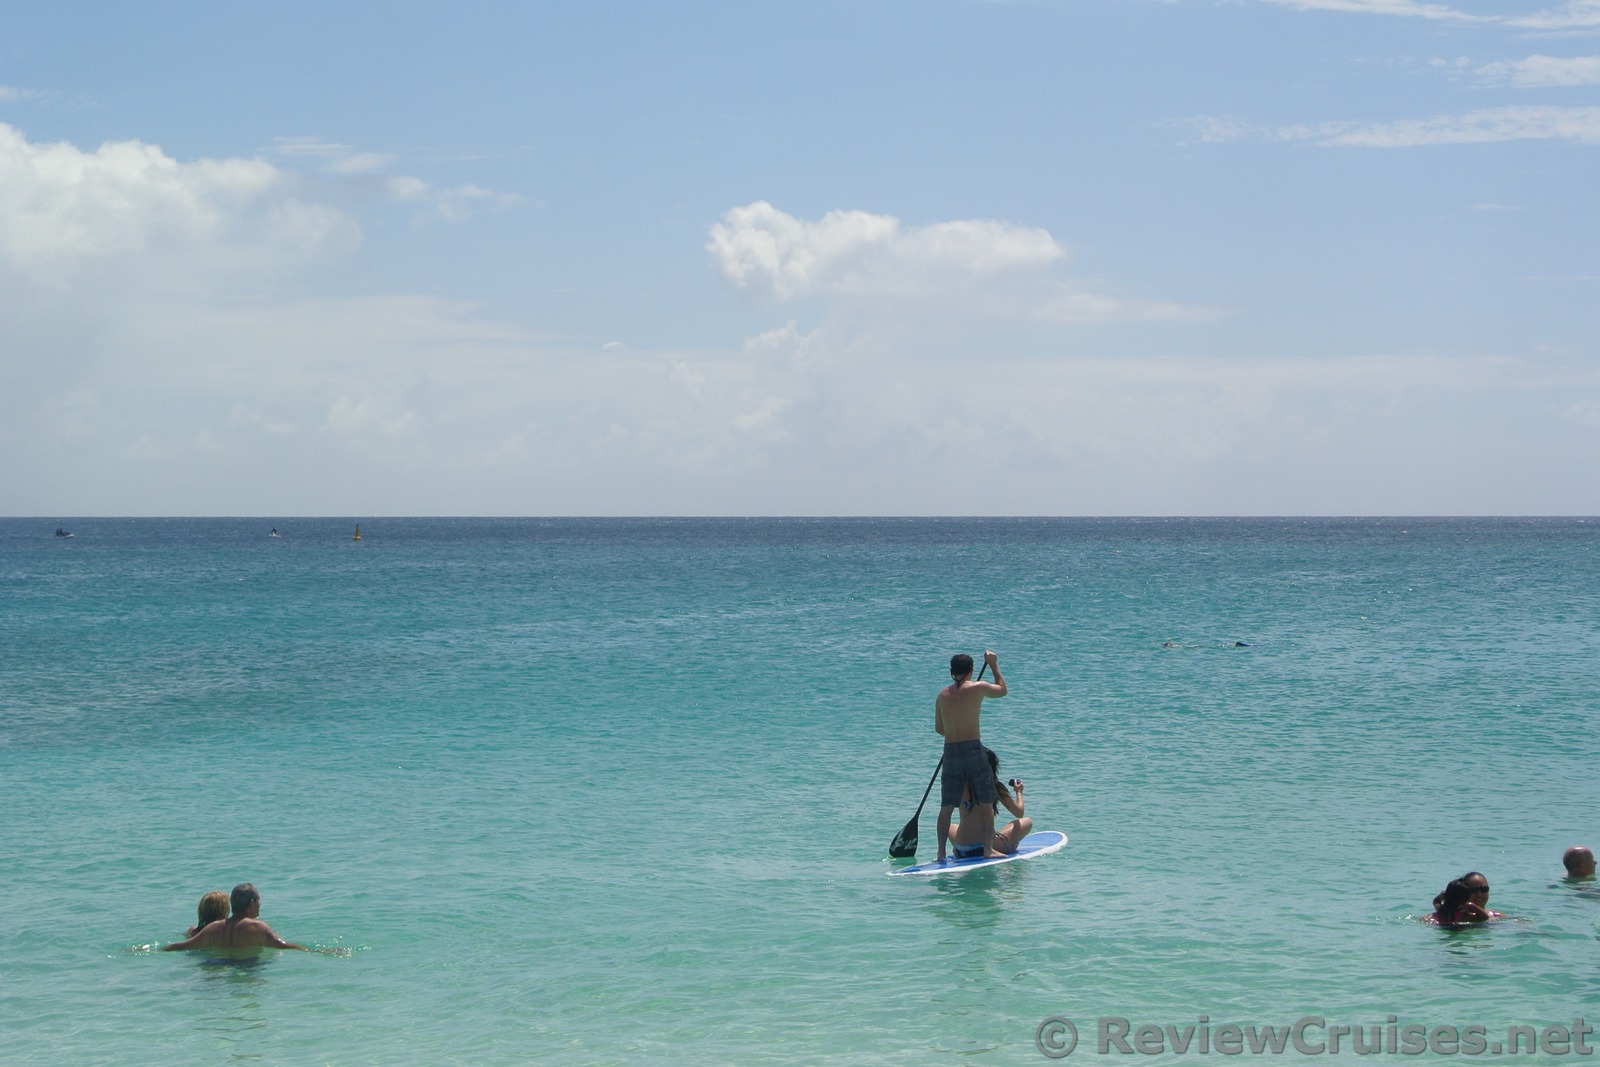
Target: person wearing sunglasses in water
1464, 902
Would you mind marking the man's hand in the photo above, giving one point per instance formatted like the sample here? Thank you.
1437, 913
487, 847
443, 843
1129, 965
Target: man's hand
991, 658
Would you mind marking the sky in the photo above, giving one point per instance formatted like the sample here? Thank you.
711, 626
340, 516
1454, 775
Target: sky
869, 257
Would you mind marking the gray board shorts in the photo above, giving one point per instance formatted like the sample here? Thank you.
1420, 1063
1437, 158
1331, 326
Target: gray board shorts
966, 765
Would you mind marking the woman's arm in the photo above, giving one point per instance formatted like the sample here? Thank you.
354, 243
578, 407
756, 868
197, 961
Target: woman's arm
1013, 804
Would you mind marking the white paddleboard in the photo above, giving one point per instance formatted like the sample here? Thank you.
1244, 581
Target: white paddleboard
1038, 843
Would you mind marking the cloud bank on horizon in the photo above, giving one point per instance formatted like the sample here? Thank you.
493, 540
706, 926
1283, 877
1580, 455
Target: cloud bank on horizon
1213, 292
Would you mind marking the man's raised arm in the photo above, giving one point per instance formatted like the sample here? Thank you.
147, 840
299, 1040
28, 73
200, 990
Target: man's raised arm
997, 688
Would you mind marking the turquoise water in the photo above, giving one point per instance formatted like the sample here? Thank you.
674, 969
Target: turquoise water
616, 792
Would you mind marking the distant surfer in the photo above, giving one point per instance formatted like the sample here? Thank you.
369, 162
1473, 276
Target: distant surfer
242, 929
967, 774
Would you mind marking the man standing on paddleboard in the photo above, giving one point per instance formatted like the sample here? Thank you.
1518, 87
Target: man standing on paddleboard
966, 766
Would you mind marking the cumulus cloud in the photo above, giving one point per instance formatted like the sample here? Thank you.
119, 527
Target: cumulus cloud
983, 267
855, 253
65, 209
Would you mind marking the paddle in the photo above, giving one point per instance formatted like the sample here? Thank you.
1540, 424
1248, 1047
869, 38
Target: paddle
904, 845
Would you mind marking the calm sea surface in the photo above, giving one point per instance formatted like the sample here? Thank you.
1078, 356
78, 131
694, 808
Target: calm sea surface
620, 791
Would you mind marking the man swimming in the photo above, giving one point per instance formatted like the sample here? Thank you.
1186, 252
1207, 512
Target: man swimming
1579, 862
242, 929
966, 764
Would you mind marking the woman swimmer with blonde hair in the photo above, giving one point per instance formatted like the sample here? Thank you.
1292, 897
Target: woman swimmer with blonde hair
213, 906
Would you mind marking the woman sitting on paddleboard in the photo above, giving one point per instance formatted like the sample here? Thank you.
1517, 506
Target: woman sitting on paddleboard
1009, 836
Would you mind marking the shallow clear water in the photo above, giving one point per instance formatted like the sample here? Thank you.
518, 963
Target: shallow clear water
620, 791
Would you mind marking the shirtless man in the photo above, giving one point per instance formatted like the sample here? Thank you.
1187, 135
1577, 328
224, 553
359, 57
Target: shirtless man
1579, 862
966, 766
242, 929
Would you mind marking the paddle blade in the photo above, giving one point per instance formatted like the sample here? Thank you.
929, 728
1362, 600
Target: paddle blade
904, 845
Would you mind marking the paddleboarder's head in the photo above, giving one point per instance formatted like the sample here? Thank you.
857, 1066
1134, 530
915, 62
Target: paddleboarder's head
960, 666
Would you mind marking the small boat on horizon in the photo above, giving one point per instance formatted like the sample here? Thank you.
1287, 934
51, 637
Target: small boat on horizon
60, 532
357, 537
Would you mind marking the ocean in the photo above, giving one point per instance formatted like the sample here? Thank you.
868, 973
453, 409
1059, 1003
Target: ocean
620, 791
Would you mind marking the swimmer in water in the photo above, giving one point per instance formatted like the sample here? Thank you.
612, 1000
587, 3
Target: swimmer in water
240, 930
1464, 902
213, 908
1579, 862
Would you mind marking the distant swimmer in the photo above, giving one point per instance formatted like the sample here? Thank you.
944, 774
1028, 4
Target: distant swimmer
213, 907
966, 769
274, 532
243, 929
1579, 862
1464, 902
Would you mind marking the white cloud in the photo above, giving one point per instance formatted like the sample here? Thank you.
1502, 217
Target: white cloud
1580, 124
1408, 8
452, 203
1575, 14
1537, 72
64, 209
855, 253
979, 267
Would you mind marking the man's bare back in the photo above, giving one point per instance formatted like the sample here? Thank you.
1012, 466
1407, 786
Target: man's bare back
956, 709
955, 717
242, 929
237, 933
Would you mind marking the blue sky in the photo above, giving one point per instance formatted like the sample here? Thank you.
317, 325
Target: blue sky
941, 257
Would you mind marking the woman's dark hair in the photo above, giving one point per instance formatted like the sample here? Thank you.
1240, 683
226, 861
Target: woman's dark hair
994, 768
1455, 894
